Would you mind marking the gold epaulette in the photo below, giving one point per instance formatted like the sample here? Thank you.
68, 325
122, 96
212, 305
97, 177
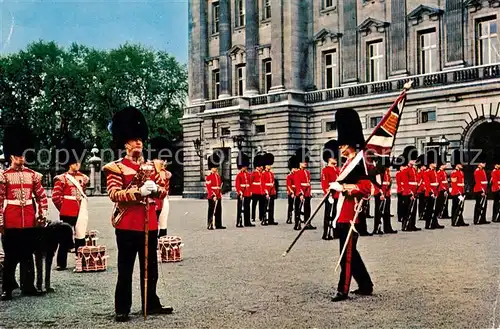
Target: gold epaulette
58, 178
112, 167
37, 175
159, 165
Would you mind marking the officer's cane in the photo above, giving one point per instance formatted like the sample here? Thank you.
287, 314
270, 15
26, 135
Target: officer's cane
359, 208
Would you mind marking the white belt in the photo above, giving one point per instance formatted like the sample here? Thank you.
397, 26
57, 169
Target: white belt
269, 184
215, 188
305, 184
244, 185
444, 182
434, 184
70, 197
484, 182
293, 186
461, 184
256, 183
387, 183
413, 183
19, 202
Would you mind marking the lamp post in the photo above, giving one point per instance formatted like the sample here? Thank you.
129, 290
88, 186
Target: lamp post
444, 142
95, 175
199, 152
238, 140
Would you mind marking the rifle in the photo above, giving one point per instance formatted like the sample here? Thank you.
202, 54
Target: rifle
483, 206
444, 205
241, 210
458, 212
358, 209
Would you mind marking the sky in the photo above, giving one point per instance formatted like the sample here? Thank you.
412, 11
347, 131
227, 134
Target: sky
102, 24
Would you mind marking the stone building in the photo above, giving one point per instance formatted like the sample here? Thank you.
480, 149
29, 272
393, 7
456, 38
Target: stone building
270, 74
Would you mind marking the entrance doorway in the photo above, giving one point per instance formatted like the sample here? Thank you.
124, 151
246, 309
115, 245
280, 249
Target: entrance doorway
225, 168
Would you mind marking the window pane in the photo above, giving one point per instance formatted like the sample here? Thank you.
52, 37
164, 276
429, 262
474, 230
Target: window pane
329, 78
328, 59
431, 116
485, 52
493, 27
268, 67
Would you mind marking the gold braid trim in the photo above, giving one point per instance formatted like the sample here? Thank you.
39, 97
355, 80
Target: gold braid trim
112, 167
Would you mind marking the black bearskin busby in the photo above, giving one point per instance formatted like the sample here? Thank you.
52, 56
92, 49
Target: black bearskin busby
349, 128
161, 149
258, 160
17, 139
410, 153
268, 159
420, 160
331, 150
242, 160
302, 154
213, 161
458, 157
69, 151
128, 124
293, 163
431, 157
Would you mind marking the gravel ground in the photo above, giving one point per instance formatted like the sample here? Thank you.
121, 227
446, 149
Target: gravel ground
237, 278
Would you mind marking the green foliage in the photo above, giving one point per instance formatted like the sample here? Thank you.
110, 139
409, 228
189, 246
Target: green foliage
78, 89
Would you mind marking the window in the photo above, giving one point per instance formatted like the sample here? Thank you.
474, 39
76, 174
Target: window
240, 79
330, 126
428, 52
225, 131
216, 84
487, 47
374, 121
240, 13
260, 129
267, 9
427, 116
215, 17
327, 4
330, 69
375, 61
268, 75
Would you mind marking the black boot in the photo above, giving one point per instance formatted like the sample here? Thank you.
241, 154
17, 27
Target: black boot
162, 232
339, 297
6, 295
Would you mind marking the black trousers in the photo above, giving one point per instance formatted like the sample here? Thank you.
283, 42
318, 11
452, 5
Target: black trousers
410, 210
421, 205
290, 208
478, 217
62, 252
439, 204
330, 213
351, 263
218, 212
386, 216
401, 200
131, 243
378, 213
243, 211
446, 214
307, 209
429, 215
258, 199
270, 208
496, 207
19, 246
457, 217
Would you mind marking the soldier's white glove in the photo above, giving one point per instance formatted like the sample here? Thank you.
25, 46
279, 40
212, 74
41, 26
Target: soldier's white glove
461, 198
45, 214
151, 186
144, 190
336, 186
330, 199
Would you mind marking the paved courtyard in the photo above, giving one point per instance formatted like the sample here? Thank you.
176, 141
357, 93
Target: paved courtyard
237, 278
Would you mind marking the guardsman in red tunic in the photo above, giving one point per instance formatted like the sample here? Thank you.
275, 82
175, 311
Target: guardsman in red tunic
69, 195
431, 192
243, 190
269, 189
329, 175
480, 193
19, 185
353, 188
293, 166
133, 184
385, 198
302, 180
442, 190
495, 188
214, 193
258, 197
410, 190
457, 191
400, 187
421, 186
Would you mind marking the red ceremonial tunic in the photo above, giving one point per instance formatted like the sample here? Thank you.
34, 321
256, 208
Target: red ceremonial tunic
213, 183
268, 182
124, 191
457, 182
257, 183
443, 180
159, 202
399, 181
18, 187
480, 181
386, 184
328, 175
66, 196
420, 181
302, 180
242, 184
495, 180
290, 186
348, 202
409, 178
431, 182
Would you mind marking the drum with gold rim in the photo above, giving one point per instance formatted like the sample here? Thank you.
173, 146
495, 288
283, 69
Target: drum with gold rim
91, 259
170, 249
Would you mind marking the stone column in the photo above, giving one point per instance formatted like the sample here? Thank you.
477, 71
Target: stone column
277, 65
398, 37
224, 46
251, 43
453, 16
296, 30
350, 42
198, 50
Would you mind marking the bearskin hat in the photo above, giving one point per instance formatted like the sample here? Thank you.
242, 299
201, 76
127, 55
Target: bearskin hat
458, 157
242, 160
268, 159
17, 139
420, 160
69, 151
331, 150
431, 157
397, 162
302, 154
128, 124
349, 128
410, 153
213, 161
161, 149
293, 162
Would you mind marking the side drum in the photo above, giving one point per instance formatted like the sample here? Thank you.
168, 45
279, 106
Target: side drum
91, 259
170, 249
